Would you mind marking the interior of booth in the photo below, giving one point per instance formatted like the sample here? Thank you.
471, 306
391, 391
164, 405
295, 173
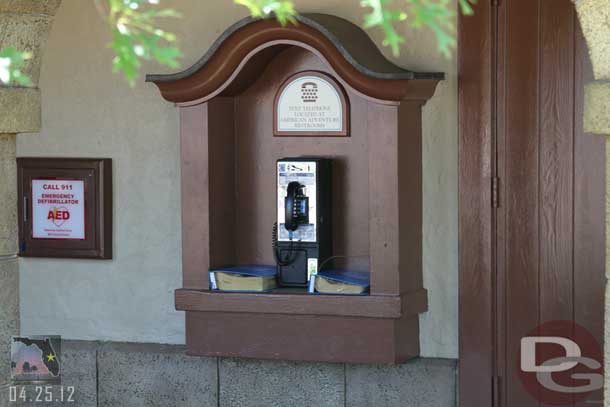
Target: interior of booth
242, 166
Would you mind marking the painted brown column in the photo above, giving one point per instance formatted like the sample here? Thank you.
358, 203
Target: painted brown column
594, 16
25, 26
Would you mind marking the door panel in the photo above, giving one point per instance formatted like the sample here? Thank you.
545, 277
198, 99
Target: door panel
542, 256
476, 297
518, 169
541, 154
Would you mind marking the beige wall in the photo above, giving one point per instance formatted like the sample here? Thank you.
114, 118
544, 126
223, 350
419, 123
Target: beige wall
88, 111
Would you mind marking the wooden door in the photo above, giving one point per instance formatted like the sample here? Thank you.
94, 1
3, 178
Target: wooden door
531, 192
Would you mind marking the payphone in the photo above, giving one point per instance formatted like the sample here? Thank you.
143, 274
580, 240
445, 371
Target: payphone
302, 234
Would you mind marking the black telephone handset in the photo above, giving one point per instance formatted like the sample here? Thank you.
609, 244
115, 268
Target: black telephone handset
296, 206
296, 211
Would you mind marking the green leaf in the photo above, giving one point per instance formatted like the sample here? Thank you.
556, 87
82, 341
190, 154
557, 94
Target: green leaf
466, 6
381, 17
126, 59
136, 36
11, 62
168, 12
438, 16
283, 9
167, 56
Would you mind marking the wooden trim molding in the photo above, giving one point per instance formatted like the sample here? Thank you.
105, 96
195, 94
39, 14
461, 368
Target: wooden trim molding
240, 55
476, 75
366, 306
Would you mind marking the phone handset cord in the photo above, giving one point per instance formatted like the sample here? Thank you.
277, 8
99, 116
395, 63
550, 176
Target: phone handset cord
276, 250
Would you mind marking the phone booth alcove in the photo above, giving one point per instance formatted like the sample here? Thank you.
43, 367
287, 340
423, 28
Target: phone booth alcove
233, 133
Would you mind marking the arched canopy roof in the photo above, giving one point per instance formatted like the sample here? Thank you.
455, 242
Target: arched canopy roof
243, 51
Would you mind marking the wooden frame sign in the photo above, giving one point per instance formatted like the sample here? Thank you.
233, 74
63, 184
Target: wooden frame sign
310, 103
65, 207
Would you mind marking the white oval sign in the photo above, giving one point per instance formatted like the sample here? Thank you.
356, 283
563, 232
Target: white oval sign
309, 104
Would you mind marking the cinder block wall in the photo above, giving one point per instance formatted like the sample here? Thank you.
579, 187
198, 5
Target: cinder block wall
132, 375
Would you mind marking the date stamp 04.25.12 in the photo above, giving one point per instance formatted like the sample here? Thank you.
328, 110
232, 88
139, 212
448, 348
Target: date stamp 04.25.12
36, 371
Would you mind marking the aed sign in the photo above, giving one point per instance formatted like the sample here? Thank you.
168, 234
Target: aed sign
58, 209
311, 104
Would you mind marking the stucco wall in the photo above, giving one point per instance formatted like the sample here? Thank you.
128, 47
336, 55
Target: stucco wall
88, 111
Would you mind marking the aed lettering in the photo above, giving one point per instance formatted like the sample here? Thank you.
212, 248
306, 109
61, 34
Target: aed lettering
58, 215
